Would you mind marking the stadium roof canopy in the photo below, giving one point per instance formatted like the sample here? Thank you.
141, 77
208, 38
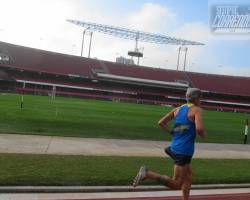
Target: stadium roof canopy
133, 34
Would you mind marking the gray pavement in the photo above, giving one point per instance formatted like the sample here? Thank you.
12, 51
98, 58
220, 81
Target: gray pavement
34, 144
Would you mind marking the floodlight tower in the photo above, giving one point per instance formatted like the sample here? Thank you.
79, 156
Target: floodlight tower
136, 53
90, 42
133, 35
185, 49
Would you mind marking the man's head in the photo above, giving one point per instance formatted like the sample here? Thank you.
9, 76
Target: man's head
193, 95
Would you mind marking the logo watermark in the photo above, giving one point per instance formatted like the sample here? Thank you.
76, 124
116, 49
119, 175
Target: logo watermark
231, 18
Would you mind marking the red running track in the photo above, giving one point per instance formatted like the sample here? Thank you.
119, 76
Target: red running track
245, 196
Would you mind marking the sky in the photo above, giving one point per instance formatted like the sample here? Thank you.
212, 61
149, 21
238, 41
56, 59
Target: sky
42, 24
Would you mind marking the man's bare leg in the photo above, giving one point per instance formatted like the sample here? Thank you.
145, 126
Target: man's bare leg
173, 183
186, 185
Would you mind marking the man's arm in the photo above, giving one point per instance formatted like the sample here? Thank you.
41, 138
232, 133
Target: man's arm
199, 123
167, 118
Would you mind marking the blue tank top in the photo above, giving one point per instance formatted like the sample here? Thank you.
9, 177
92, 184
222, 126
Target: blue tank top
184, 132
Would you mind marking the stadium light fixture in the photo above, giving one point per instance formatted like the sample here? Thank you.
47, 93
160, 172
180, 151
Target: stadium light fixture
133, 34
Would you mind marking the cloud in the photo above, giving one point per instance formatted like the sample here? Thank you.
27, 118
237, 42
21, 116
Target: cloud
31, 22
153, 18
198, 32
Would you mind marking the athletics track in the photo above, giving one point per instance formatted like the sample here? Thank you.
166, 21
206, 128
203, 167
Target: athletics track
198, 197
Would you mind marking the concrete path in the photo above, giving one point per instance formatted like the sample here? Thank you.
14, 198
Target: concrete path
32, 144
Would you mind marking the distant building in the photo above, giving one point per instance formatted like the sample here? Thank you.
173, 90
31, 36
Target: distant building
123, 60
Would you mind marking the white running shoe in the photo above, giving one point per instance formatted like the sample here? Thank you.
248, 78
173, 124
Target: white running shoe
141, 176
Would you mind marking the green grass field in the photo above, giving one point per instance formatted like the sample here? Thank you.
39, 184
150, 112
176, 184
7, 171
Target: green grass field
104, 119
22, 170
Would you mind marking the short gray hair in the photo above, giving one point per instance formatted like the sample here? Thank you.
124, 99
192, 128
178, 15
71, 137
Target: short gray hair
192, 94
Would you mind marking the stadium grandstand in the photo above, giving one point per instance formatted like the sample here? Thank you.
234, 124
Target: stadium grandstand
33, 71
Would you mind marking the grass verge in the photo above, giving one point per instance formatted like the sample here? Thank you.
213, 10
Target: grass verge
47, 170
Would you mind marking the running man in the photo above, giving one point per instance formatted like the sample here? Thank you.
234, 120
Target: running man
188, 123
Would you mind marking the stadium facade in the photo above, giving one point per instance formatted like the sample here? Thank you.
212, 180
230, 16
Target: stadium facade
33, 71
